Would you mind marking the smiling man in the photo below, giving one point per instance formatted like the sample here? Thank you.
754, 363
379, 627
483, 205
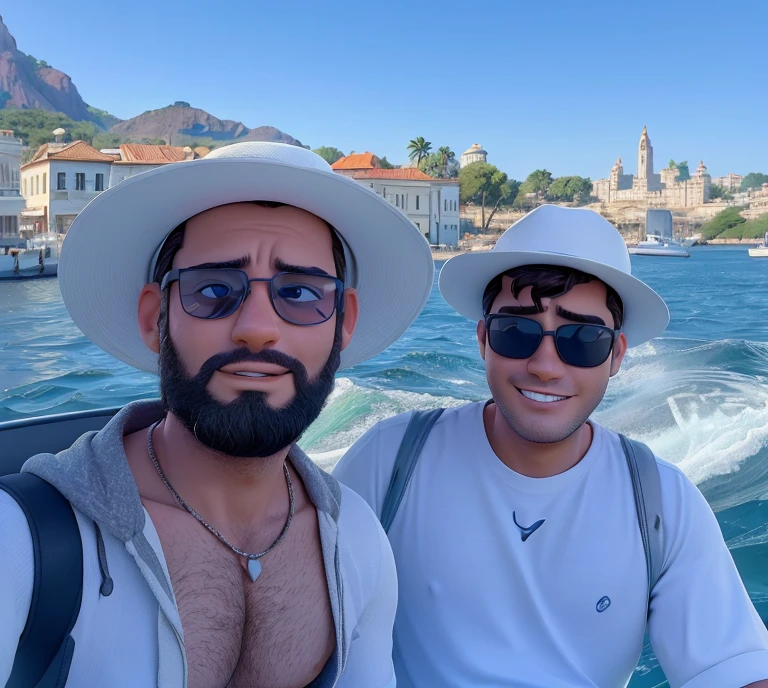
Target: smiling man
215, 553
520, 539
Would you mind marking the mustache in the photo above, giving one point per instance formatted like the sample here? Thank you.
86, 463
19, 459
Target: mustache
245, 355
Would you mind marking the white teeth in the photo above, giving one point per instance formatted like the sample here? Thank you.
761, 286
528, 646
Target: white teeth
535, 396
247, 373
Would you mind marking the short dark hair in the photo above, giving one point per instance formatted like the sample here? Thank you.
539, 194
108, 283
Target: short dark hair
549, 281
175, 239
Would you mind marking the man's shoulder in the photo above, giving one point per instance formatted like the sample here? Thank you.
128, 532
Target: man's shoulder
676, 486
389, 433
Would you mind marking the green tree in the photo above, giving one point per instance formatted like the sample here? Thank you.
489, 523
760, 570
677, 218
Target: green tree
683, 174
329, 154
106, 140
432, 165
446, 155
180, 103
716, 191
536, 183
754, 180
573, 188
672, 165
752, 229
485, 184
384, 164
35, 127
418, 148
725, 219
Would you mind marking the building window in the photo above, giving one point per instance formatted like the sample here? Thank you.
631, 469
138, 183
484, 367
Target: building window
385, 191
24, 187
61, 181
417, 202
445, 205
99, 182
79, 181
418, 225
45, 182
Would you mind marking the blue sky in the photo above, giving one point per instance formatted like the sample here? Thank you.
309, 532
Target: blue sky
563, 85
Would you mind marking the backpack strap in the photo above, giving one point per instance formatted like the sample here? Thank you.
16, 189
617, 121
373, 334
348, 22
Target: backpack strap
419, 427
646, 484
45, 647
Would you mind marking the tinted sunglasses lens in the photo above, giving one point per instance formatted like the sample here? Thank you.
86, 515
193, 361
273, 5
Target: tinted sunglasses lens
585, 346
304, 299
514, 337
212, 294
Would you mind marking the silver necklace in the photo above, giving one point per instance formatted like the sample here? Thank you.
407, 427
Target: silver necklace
254, 565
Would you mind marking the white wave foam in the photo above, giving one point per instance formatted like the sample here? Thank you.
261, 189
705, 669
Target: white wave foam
352, 409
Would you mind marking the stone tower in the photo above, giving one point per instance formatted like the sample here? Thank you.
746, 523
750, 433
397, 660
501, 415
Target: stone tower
645, 157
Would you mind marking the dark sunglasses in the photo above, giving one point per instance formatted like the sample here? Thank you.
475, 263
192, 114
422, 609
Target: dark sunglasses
583, 346
298, 298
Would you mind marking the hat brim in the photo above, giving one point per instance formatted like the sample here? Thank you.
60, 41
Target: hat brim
106, 255
463, 280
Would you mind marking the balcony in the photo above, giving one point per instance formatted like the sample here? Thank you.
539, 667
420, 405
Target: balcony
79, 196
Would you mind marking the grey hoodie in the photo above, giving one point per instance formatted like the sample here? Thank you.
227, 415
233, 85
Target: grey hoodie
129, 632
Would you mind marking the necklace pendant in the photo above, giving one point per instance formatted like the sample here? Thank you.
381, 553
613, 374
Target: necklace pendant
254, 569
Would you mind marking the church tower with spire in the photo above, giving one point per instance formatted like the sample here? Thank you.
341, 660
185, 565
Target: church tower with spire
645, 158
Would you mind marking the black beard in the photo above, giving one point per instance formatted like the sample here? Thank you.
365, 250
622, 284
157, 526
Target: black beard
248, 426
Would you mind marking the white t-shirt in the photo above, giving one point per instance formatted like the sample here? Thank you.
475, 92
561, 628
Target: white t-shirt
480, 607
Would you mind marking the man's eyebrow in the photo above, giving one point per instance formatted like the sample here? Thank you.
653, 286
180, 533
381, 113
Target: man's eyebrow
579, 317
237, 263
519, 310
282, 266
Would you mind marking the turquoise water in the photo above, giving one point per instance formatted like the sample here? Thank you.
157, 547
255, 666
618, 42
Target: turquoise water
698, 395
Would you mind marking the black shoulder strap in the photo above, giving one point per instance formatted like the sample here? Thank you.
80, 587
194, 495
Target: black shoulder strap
45, 648
416, 433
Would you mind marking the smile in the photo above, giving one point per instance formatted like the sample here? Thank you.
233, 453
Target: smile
544, 398
246, 373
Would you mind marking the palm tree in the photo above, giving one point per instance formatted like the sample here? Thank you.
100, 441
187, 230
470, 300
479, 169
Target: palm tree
446, 154
418, 148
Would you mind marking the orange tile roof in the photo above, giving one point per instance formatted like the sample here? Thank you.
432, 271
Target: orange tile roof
410, 173
146, 154
357, 161
76, 151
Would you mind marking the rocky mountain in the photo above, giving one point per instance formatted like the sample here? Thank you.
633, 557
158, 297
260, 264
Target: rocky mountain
180, 124
28, 84
31, 84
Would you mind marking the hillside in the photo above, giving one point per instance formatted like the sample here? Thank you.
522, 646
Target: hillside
31, 84
181, 125
35, 99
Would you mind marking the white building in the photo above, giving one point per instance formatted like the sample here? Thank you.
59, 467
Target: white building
473, 154
730, 182
62, 178
431, 204
11, 200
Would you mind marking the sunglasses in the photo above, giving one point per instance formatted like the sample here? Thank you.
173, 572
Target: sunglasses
298, 298
582, 346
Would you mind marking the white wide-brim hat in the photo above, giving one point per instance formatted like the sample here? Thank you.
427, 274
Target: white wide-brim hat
552, 235
109, 252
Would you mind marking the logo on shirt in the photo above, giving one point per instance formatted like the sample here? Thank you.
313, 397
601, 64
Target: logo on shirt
525, 533
602, 604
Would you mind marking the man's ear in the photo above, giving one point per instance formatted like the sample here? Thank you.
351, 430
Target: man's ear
481, 337
619, 349
149, 314
351, 312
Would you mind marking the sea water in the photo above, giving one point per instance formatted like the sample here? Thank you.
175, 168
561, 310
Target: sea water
698, 395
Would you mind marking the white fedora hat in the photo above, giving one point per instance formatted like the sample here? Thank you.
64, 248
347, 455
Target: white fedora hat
552, 235
109, 251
